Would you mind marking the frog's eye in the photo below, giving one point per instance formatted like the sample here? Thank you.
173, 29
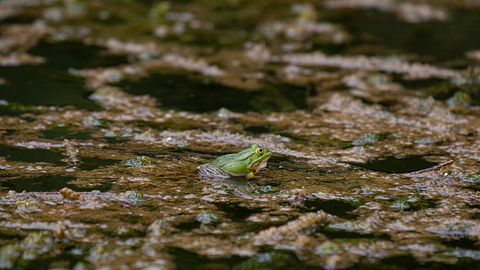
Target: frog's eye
259, 151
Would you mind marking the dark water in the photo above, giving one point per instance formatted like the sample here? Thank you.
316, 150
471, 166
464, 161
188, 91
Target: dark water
257, 129
91, 163
435, 39
50, 183
273, 260
397, 165
31, 155
41, 183
237, 212
64, 261
184, 260
188, 93
50, 83
409, 263
334, 207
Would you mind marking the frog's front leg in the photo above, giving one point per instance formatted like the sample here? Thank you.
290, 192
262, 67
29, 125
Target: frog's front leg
250, 175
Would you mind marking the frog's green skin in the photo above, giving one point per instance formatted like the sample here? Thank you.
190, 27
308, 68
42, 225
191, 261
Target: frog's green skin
245, 163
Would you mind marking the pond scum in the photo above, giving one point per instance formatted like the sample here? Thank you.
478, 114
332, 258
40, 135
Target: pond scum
370, 107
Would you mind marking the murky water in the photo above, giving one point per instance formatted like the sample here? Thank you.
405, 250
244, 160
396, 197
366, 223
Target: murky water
50, 83
398, 165
369, 107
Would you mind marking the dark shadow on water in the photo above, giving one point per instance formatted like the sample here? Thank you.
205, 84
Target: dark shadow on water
441, 40
257, 129
73, 54
186, 260
392, 164
271, 260
236, 212
50, 83
31, 155
63, 261
335, 207
410, 263
37, 184
189, 93
463, 243
188, 226
49, 183
91, 163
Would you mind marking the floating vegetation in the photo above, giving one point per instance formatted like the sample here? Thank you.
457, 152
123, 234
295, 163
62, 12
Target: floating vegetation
139, 162
207, 218
368, 139
370, 109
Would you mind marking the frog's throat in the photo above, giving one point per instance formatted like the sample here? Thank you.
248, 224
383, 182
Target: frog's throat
259, 165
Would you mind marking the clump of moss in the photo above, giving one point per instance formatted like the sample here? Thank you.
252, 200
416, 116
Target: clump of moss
368, 138
265, 190
132, 197
159, 10
207, 217
402, 205
470, 178
139, 162
328, 248
412, 203
93, 122
268, 260
460, 99
9, 255
35, 245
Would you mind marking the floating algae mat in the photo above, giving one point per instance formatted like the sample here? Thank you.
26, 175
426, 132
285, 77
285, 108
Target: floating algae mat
369, 107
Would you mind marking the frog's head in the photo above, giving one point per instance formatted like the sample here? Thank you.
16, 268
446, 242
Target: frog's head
258, 158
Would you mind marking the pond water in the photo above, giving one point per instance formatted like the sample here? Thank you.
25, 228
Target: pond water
370, 109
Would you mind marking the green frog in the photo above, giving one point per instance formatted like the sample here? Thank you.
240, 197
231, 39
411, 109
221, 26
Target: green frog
245, 163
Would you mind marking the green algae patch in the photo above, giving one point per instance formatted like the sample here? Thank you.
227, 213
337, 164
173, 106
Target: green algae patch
139, 162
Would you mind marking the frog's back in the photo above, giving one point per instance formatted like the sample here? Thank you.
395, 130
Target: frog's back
222, 160
229, 158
